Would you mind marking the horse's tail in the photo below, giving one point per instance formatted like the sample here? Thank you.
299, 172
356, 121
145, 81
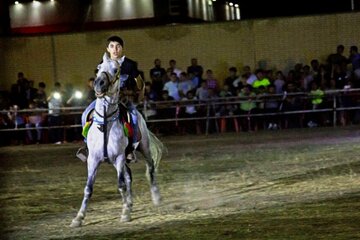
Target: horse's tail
157, 149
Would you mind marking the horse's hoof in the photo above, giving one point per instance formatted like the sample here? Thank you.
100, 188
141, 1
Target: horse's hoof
126, 214
125, 218
156, 200
155, 196
75, 223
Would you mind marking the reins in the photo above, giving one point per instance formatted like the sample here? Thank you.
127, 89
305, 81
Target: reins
103, 125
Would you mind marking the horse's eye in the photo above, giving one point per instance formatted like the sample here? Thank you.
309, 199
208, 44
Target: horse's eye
115, 71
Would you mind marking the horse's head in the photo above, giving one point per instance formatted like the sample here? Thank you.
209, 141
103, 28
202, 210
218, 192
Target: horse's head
106, 81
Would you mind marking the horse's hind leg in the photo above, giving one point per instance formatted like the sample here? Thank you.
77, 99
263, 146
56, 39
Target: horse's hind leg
88, 190
144, 148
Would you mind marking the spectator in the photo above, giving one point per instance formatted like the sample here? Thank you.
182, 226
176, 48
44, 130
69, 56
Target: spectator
190, 111
150, 98
90, 92
279, 82
157, 75
195, 69
185, 85
55, 101
34, 120
202, 93
18, 91
354, 59
306, 78
40, 96
247, 107
251, 76
229, 81
166, 110
173, 68
30, 91
172, 87
211, 81
261, 80
17, 121
337, 58
77, 101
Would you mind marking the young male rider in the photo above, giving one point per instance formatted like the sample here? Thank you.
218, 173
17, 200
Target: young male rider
131, 81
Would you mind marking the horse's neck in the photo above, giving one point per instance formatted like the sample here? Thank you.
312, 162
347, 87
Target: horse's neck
106, 107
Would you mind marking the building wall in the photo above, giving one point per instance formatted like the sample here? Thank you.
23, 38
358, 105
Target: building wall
276, 43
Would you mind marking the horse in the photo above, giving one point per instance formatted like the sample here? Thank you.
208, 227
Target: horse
107, 141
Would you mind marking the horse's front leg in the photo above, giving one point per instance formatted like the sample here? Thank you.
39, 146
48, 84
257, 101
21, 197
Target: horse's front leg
124, 185
88, 190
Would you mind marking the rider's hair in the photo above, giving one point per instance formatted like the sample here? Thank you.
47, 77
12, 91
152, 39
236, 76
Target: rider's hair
115, 39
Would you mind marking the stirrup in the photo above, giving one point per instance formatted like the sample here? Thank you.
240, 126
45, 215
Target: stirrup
82, 154
131, 157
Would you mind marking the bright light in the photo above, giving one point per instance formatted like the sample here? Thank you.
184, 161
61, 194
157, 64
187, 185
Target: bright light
36, 3
236, 5
52, 0
210, 3
231, 4
78, 94
57, 95
16, 2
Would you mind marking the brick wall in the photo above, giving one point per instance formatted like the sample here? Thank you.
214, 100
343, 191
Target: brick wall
276, 43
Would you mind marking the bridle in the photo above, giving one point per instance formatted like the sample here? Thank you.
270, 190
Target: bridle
111, 90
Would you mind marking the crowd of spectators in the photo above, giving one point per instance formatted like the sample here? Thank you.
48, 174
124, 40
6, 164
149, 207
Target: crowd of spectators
192, 93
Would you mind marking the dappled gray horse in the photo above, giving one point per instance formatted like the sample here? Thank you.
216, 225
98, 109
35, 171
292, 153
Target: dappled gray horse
107, 141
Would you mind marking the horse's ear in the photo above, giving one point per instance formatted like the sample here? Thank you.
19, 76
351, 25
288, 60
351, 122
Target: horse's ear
105, 57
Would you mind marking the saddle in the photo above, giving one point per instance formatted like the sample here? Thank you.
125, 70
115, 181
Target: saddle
124, 118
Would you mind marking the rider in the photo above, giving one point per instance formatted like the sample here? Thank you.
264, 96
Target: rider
131, 84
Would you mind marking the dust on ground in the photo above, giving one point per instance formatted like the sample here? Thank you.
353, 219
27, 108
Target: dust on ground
201, 177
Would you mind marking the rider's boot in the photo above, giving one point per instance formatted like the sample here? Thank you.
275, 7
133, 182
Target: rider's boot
82, 153
131, 156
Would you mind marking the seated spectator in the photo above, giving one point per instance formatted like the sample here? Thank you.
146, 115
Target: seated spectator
211, 81
171, 87
166, 109
247, 106
202, 93
190, 111
279, 82
185, 85
149, 105
229, 81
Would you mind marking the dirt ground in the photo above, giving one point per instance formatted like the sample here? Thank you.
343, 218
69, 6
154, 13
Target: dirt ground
288, 184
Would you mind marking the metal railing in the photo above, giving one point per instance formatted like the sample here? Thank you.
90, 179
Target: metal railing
332, 99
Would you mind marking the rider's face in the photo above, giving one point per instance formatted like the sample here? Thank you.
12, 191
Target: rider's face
115, 50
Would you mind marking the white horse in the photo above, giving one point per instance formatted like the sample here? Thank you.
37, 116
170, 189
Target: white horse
106, 141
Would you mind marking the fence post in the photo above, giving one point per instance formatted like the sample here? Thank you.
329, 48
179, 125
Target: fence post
207, 117
334, 111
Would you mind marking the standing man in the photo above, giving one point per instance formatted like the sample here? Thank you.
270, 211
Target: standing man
157, 74
131, 81
196, 69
